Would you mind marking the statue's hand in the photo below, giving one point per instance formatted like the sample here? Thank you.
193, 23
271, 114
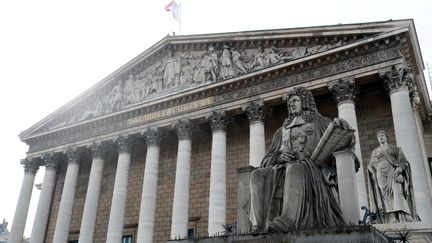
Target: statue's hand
398, 170
341, 122
288, 156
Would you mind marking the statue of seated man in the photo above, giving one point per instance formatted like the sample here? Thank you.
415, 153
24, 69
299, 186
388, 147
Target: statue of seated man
390, 183
289, 192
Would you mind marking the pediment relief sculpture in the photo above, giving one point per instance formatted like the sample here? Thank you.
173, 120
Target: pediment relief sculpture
185, 69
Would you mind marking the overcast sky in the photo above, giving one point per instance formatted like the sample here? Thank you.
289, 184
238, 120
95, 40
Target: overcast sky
52, 50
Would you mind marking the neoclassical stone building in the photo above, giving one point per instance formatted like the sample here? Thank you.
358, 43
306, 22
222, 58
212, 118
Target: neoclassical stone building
151, 152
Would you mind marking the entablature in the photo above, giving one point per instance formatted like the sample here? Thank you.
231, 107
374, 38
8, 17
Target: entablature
365, 56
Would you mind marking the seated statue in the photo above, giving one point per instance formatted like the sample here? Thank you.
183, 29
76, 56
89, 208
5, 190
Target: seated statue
390, 184
289, 192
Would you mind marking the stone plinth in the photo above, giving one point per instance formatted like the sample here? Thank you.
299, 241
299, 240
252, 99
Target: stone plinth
353, 234
243, 197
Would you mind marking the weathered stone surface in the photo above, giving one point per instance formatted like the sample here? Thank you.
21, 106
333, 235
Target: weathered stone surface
221, 96
353, 234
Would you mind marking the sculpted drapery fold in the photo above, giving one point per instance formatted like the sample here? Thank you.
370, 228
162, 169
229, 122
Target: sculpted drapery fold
390, 184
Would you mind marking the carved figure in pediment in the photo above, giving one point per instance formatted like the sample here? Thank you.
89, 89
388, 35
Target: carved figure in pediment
259, 61
129, 90
198, 71
139, 91
276, 56
227, 67
316, 48
187, 72
92, 109
210, 64
115, 98
239, 61
298, 52
171, 70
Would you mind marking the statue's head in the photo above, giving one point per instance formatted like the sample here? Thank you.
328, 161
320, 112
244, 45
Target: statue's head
307, 101
381, 136
211, 49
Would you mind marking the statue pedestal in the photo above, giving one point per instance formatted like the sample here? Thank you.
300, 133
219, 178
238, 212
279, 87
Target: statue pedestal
417, 231
243, 198
348, 198
336, 235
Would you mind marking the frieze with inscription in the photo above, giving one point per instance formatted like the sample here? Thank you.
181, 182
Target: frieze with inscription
181, 70
222, 96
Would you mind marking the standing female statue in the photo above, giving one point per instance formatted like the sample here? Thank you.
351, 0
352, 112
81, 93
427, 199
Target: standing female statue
390, 183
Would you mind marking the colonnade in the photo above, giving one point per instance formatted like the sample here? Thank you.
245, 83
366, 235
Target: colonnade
344, 91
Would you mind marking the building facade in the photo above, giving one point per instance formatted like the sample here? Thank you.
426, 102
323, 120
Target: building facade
151, 152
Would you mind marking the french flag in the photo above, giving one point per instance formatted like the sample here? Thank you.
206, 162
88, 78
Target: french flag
174, 8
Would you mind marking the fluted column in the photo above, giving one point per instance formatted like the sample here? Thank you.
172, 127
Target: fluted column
31, 166
61, 232
345, 92
180, 214
399, 81
255, 112
217, 198
45, 199
88, 222
149, 191
119, 197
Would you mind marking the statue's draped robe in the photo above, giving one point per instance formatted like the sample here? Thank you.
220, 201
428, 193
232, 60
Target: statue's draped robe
296, 195
391, 194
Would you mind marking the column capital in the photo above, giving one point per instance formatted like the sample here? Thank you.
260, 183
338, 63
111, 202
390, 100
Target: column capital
218, 120
398, 78
97, 149
73, 155
31, 165
50, 160
344, 90
152, 137
124, 143
255, 111
184, 129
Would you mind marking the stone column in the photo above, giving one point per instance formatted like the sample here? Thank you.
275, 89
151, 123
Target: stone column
61, 232
256, 112
345, 166
217, 198
399, 81
119, 197
31, 166
345, 93
88, 222
180, 213
149, 191
45, 199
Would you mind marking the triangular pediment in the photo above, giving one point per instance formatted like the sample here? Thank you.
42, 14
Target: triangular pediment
178, 63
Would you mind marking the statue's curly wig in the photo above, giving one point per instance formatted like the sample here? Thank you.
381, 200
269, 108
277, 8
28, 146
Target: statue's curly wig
310, 111
308, 101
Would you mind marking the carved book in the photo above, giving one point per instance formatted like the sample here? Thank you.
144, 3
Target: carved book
335, 138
